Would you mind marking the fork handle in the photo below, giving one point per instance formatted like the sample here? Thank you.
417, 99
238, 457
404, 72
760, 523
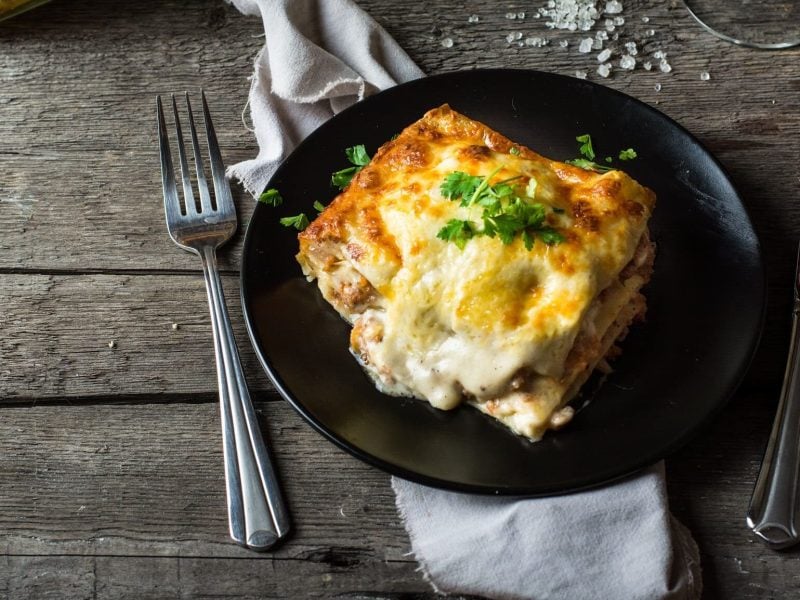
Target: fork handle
257, 516
774, 509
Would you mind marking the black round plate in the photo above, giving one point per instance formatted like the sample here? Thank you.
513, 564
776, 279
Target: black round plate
705, 301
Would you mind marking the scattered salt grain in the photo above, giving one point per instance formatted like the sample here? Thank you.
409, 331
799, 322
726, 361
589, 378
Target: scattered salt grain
597, 44
447, 42
518, 35
510, 38
627, 62
659, 54
473, 19
604, 55
604, 70
574, 15
645, 19
631, 48
536, 42
705, 76
563, 43
601, 35
647, 65
657, 87
175, 326
664, 66
650, 32
585, 46
613, 7
511, 16
112, 344
619, 21
582, 75
520, 15
615, 37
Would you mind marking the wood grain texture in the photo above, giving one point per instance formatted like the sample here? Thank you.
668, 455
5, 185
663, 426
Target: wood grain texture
111, 480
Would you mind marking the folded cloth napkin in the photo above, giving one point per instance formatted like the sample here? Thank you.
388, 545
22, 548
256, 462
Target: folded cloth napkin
615, 542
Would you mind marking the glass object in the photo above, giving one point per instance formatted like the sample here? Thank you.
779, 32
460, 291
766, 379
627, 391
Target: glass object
766, 24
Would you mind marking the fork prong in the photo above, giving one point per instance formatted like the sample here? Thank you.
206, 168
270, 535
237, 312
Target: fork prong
205, 198
222, 188
172, 206
188, 195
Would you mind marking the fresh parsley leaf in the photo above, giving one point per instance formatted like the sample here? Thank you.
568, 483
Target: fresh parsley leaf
357, 155
514, 150
609, 159
299, 222
550, 236
271, 197
341, 179
586, 146
627, 154
457, 231
589, 165
503, 225
527, 239
319, 206
459, 184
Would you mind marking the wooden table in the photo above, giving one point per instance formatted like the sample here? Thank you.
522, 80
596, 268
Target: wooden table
111, 478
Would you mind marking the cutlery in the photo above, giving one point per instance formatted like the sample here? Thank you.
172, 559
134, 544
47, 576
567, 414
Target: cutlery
773, 509
257, 516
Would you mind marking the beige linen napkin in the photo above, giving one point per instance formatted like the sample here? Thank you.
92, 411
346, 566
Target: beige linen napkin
616, 542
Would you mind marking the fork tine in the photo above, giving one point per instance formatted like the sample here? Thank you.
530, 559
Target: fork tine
188, 195
172, 207
205, 198
222, 188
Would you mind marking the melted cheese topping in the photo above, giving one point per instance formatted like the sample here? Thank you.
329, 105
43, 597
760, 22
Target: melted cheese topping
447, 324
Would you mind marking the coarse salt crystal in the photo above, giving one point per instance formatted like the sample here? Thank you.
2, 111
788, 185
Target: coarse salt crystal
645, 19
619, 21
604, 70
664, 66
473, 19
613, 7
582, 75
604, 55
647, 65
447, 42
659, 54
511, 16
518, 35
627, 62
536, 42
574, 15
563, 43
586, 45
601, 35
597, 44
650, 32
510, 38
705, 76
657, 87
520, 15
615, 37
631, 48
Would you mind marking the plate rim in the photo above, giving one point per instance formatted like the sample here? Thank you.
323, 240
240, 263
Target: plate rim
645, 460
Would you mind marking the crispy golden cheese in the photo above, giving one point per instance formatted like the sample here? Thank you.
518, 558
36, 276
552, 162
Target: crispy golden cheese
512, 331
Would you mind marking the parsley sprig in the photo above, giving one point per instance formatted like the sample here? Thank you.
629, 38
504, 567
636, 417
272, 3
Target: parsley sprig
586, 149
358, 157
505, 214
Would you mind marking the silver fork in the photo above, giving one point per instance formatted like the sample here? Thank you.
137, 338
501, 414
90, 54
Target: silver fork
256, 513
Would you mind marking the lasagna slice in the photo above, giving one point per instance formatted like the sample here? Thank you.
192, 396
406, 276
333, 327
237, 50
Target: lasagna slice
512, 324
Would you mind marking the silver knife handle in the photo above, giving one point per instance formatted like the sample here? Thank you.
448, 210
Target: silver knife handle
774, 507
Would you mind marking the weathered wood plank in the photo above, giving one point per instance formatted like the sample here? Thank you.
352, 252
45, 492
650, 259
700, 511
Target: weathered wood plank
151, 578
146, 480
101, 139
57, 331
